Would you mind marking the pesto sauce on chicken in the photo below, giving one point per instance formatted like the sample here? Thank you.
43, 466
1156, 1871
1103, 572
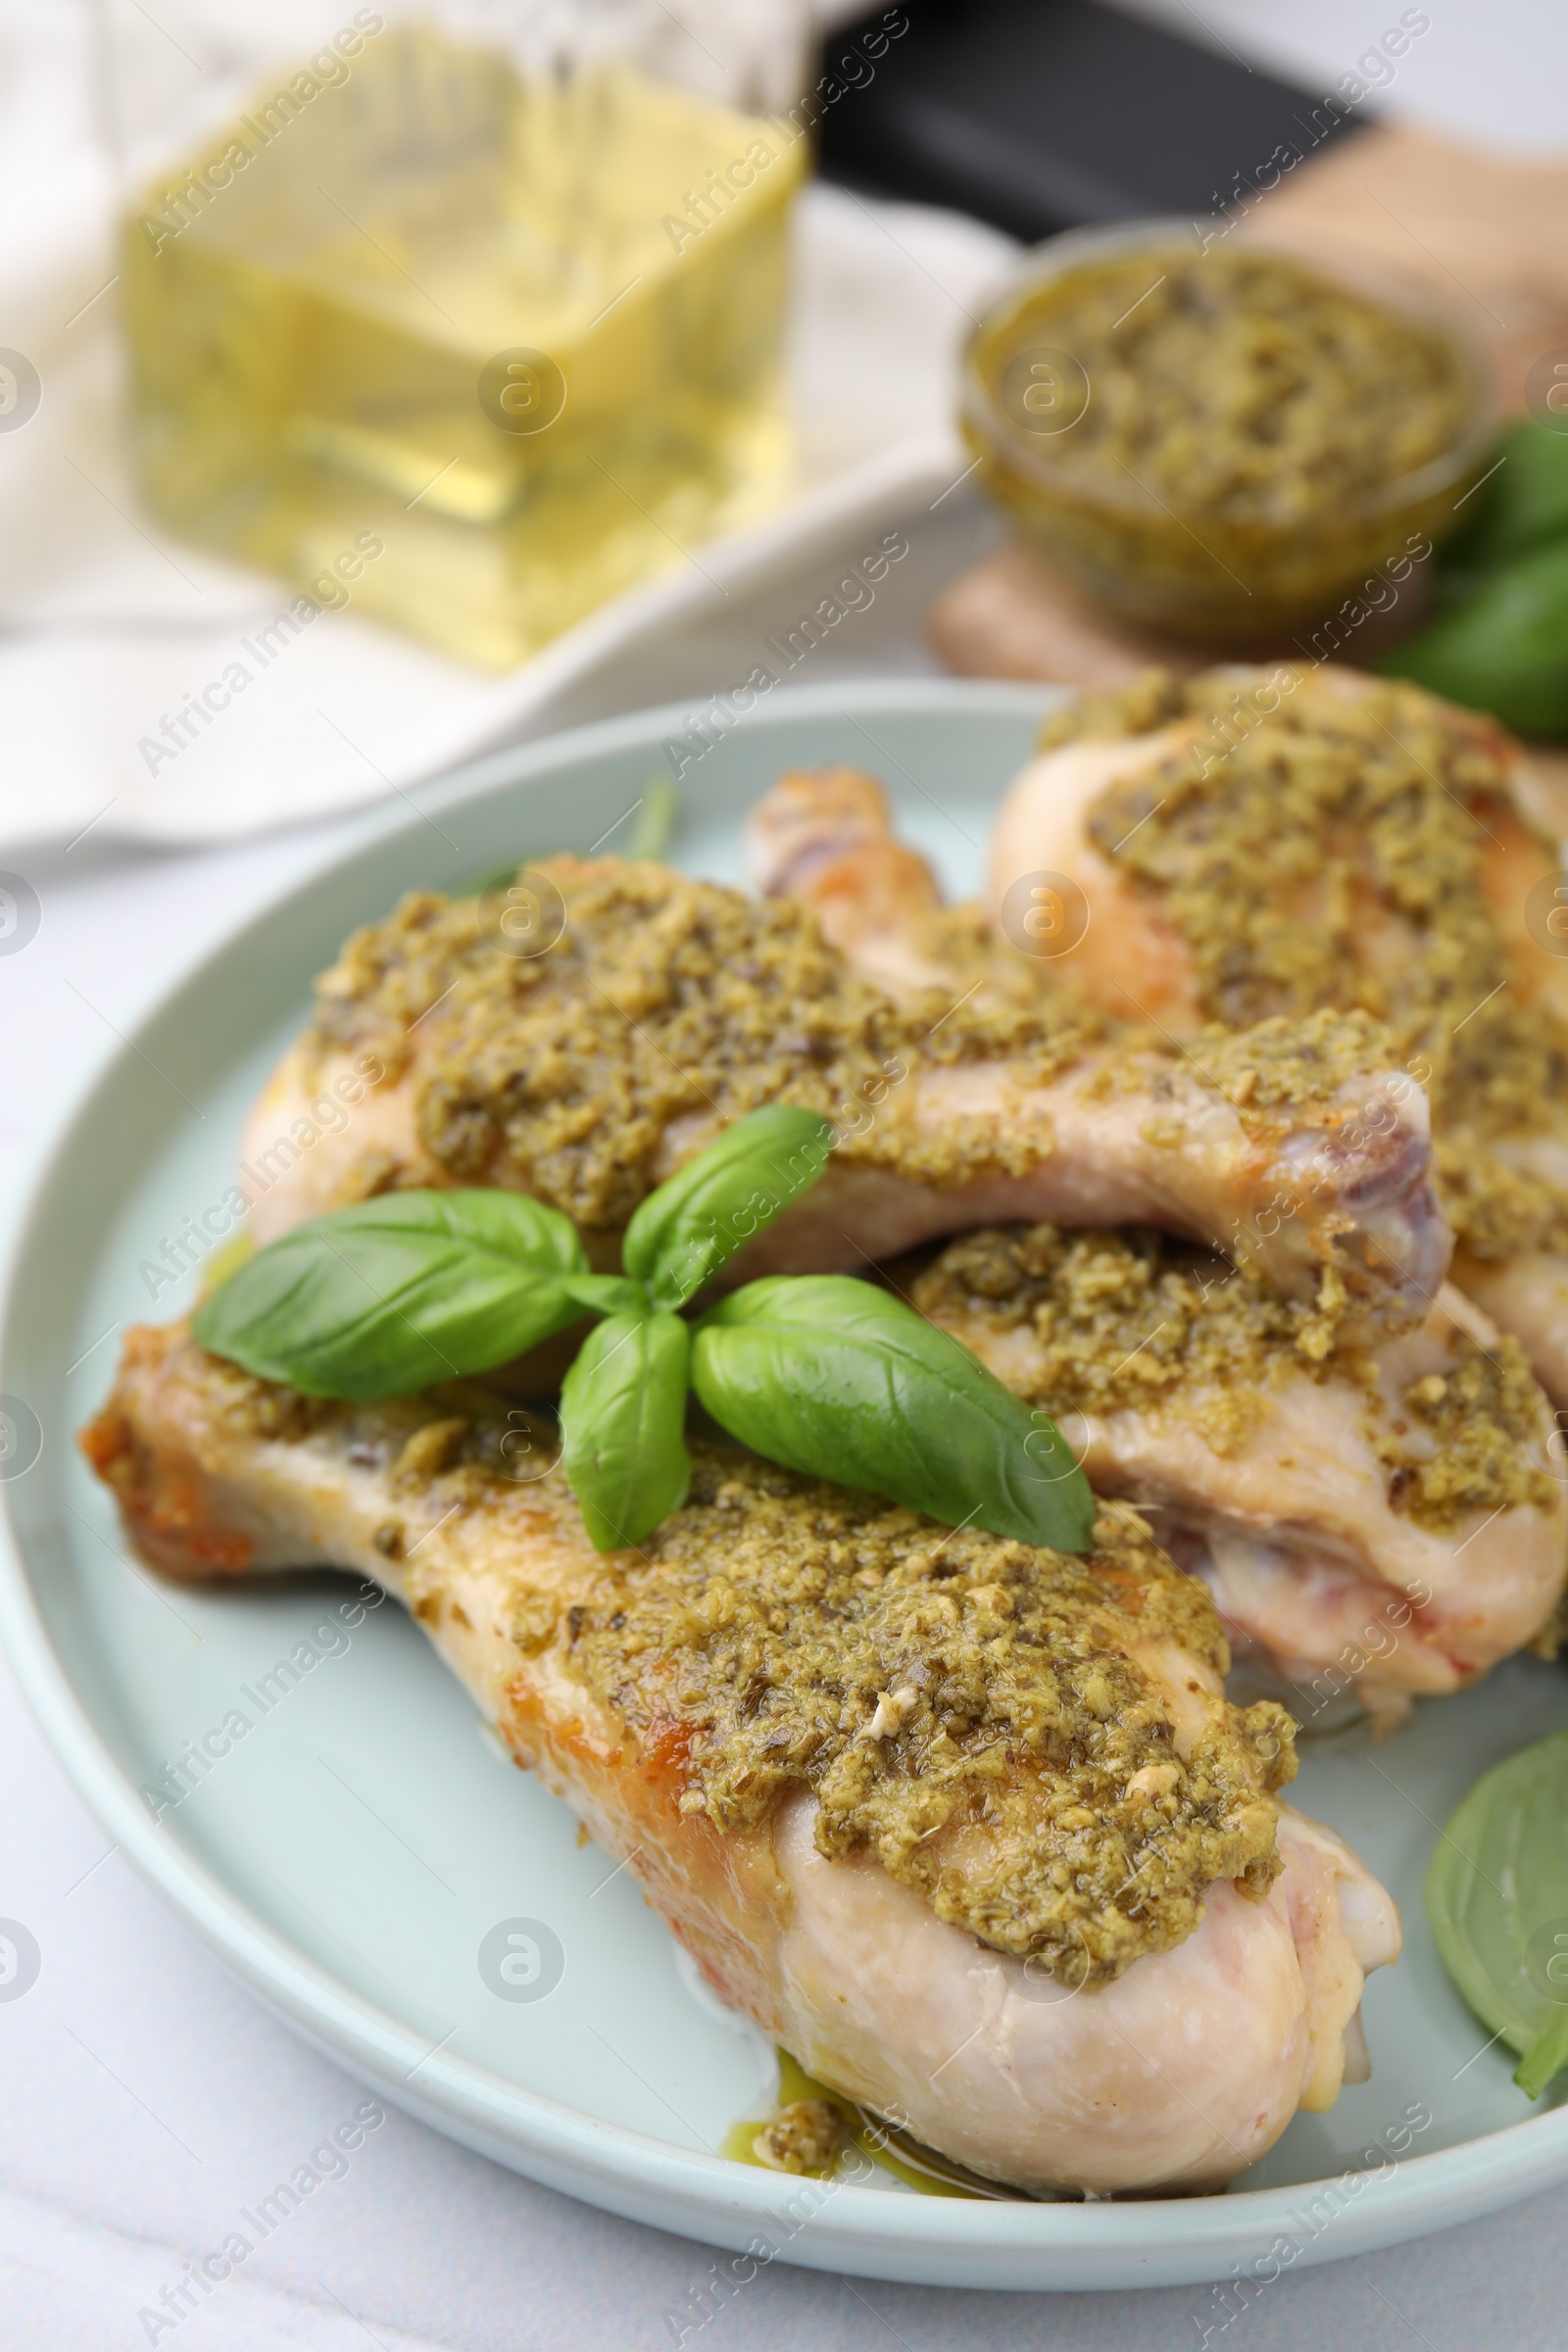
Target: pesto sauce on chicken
1333, 851
1134, 1320
964, 1708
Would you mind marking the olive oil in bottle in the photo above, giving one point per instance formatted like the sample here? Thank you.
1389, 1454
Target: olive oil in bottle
525, 331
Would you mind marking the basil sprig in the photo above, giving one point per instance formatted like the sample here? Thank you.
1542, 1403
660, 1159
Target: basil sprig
825, 1374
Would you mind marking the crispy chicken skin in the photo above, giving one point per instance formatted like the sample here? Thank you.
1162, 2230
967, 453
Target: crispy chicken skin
1381, 1519
1174, 2068
1319, 1576
825, 836
1347, 841
665, 1007
1129, 1136
822, 835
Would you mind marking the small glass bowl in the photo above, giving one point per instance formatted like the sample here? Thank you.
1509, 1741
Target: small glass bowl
1240, 585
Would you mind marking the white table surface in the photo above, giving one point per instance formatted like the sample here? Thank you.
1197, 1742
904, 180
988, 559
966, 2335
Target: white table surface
144, 2096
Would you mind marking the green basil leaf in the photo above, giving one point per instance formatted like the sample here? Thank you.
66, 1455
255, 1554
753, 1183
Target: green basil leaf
833, 1377
684, 1232
388, 1295
606, 1293
1497, 1900
623, 1414
1522, 504
1504, 649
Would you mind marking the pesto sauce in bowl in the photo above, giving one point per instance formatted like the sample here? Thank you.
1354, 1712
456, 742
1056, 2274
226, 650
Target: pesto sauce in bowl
1219, 443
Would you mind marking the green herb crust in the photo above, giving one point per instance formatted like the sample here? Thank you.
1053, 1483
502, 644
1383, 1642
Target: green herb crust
664, 999
667, 999
1132, 1320
751, 1637
1277, 1064
776, 1619
1336, 852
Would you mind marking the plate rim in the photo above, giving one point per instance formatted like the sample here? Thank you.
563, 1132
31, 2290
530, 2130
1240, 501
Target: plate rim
875, 2234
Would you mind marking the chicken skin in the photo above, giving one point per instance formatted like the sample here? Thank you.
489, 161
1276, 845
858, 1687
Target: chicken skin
1378, 1519
1372, 1511
1250, 844
664, 1008
970, 1828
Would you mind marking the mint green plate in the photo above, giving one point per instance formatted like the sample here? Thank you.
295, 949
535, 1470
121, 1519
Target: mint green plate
350, 1855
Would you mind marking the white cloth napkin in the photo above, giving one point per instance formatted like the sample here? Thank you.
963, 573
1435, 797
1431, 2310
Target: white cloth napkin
107, 625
